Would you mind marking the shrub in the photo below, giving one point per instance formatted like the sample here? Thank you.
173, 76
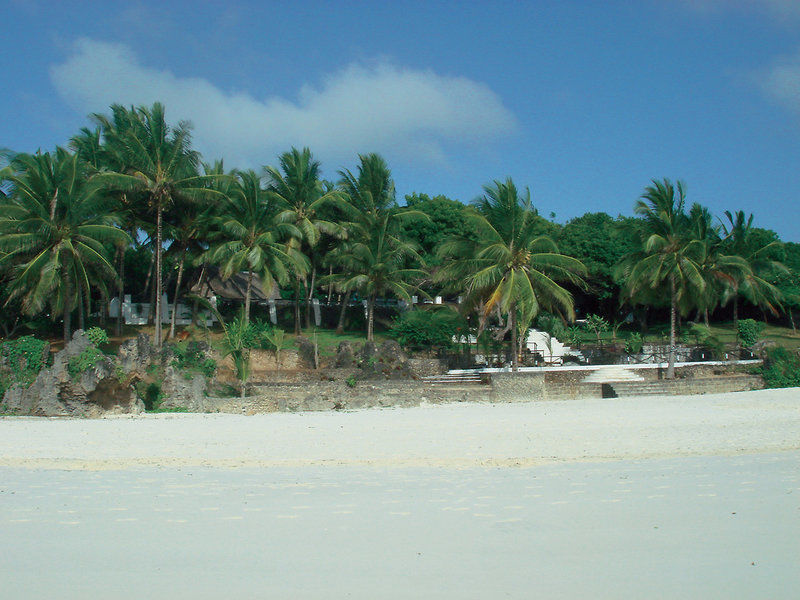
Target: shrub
24, 357
89, 357
573, 336
192, 359
84, 361
150, 394
597, 325
97, 336
350, 381
635, 343
781, 368
423, 329
261, 333
553, 326
749, 331
704, 337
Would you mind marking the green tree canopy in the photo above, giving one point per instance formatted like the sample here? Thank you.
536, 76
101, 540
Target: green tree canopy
509, 266
54, 227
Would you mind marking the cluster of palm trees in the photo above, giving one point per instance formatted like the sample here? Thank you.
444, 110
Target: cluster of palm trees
67, 219
693, 264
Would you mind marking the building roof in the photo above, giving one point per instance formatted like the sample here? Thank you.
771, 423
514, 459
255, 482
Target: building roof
232, 288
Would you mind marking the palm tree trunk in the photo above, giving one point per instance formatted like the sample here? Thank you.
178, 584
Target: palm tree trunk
247, 294
81, 318
672, 321
330, 284
343, 314
297, 306
371, 318
149, 274
152, 306
736, 312
103, 310
309, 295
120, 289
195, 304
67, 310
514, 349
705, 317
176, 296
157, 336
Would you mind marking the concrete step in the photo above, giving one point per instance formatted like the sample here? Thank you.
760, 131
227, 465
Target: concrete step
454, 379
612, 374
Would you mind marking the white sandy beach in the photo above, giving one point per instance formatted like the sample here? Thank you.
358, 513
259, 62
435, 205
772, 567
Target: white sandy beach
452, 435
682, 497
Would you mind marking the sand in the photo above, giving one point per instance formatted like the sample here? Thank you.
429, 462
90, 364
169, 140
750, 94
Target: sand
682, 497
452, 435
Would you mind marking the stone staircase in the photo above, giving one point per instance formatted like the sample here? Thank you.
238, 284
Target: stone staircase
474, 378
702, 385
643, 388
613, 374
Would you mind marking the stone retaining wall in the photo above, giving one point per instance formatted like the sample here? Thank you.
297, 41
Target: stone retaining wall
330, 390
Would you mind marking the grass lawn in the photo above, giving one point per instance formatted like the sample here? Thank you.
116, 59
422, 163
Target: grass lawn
328, 340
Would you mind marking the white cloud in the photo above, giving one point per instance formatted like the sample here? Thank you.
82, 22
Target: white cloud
781, 81
407, 114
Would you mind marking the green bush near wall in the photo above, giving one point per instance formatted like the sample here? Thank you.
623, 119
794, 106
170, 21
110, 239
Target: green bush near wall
781, 368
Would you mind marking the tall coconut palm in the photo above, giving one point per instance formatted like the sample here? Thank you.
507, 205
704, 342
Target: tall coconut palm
375, 255
248, 237
158, 161
508, 266
375, 262
752, 284
53, 229
100, 157
299, 196
719, 270
669, 261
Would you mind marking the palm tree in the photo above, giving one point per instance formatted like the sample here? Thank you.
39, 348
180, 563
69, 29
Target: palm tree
719, 270
156, 160
507, 265
753, 283
53, 230
375, 263
669, 261
299, 196
375, 256
249, 237
99, 157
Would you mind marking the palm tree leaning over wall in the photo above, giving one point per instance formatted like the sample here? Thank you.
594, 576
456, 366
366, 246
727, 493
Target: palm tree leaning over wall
511, 267
54, 227
158, 161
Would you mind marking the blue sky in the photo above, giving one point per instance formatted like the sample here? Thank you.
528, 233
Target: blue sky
585, 102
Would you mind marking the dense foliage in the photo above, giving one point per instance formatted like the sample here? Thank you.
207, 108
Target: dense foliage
428, 330
129, 208
749, 331
21, 360
781, 368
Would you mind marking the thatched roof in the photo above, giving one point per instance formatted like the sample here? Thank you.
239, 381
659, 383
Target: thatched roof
232, 288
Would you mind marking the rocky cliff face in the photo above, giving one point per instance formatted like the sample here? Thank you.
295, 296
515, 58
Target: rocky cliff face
105, 388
